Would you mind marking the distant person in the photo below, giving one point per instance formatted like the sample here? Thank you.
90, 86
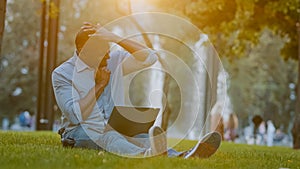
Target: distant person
270, 133
262, 132
25, 119
279, 136
232, 126
5, 123
248, 134
257, 120
86, 96
16, 125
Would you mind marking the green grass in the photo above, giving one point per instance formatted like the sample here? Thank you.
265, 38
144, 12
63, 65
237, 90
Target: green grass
43, 150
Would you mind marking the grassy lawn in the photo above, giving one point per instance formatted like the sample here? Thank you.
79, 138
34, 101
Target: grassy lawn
43, 150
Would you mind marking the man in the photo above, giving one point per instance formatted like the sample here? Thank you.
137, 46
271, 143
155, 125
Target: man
89, 85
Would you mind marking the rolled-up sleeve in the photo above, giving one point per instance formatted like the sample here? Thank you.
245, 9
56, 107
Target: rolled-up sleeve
131, 64
67, 97
151, 59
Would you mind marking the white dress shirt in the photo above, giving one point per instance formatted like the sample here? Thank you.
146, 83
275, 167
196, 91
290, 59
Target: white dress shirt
73, 79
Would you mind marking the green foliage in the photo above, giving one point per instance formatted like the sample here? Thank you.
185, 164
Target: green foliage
235, 28
19, 52
243, 19
43, 150
259, 83
74, 13
20, 48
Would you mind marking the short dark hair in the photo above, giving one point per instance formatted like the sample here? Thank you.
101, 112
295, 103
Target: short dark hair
82, 37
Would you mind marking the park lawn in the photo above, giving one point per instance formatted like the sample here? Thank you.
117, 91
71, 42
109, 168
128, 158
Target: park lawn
40, 150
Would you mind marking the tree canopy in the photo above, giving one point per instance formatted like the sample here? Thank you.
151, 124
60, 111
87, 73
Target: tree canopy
259, 78
240, 22
237, 28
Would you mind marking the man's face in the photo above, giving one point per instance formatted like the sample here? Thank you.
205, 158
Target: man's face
95, 52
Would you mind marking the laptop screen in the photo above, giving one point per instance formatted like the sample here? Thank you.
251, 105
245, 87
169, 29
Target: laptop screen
131, 121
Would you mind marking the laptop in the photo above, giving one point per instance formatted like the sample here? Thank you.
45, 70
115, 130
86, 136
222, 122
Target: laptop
131, 121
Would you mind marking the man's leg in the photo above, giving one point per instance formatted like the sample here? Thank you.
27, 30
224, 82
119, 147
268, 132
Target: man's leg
153, 144
82, 140
158, 140
114, 142
141, 140
206, 147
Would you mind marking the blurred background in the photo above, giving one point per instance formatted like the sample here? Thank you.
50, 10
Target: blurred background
250, 98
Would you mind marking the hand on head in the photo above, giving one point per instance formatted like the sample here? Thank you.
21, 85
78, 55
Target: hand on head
88, 29
83, 35
97, 48
98, 31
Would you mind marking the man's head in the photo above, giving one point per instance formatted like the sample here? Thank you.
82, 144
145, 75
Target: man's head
82, 37
91, 49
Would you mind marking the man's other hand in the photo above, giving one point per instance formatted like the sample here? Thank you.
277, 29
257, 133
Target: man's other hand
102, 76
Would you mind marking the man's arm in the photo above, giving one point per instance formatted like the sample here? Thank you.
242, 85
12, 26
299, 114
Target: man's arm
66, 96
88, 102
78, 109
138, 50
139, 55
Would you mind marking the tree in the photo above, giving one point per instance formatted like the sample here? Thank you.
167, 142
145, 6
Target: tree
18, 59
237, 24
2, 20
262, 83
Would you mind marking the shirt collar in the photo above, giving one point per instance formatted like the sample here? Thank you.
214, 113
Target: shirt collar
79, 64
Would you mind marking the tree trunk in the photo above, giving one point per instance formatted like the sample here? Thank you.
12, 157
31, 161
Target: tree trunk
296, 126
45, 114
167, 112
2, 21
211, 81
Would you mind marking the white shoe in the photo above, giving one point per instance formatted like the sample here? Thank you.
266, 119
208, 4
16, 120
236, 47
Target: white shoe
158, 140
205, 147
